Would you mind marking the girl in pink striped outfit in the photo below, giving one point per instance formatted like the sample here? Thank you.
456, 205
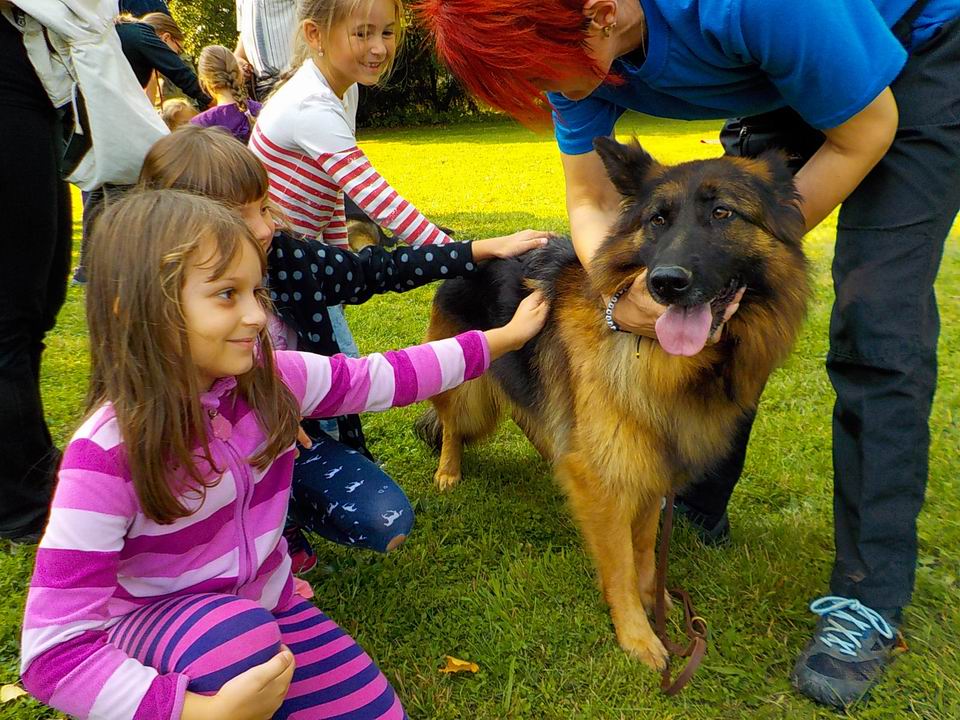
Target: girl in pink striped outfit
162, 586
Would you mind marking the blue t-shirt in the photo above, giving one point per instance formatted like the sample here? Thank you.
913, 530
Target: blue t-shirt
710, 59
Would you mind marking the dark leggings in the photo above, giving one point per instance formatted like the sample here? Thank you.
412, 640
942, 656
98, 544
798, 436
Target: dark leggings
35, 245
345, 497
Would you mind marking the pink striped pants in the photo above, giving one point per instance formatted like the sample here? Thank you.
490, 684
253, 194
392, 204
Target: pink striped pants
212, 638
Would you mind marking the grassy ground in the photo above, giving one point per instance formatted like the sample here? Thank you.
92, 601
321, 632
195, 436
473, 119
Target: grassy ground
495, 572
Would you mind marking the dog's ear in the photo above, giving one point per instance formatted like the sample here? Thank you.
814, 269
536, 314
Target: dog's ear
627, 165
786, 223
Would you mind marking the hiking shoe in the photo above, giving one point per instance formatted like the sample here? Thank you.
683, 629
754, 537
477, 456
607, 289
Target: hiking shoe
711, 529
302, 557
79, 276
851, 646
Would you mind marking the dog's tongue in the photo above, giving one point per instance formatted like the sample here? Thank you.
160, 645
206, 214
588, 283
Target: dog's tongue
684, 330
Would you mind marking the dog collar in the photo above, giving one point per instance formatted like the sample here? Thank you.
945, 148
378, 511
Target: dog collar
608, 313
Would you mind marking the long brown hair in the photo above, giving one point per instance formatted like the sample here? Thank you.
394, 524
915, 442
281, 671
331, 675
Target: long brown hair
140, 361
218, 68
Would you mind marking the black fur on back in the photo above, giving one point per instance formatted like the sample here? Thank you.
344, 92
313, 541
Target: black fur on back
489, 298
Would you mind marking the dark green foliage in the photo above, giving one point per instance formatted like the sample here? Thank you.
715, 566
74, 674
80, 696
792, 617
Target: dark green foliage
421, 90
206, 22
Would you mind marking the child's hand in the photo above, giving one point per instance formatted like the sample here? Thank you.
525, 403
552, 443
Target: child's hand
252, 695
527, 321
510, 245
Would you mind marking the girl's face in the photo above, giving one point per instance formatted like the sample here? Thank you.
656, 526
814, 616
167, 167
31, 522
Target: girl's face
260, 221
224, 315
359, 48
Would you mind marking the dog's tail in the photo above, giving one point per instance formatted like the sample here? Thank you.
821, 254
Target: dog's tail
429, 429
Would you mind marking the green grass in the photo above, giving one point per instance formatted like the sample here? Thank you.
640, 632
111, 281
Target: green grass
495, 571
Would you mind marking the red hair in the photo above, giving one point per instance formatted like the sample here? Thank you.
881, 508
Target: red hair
498, 48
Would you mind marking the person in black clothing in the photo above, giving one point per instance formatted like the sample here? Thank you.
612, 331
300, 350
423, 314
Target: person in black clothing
154, 43
35, 204
338, 491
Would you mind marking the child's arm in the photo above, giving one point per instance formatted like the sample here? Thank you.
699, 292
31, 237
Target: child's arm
351, 170
340, 385
66, 661
306, 276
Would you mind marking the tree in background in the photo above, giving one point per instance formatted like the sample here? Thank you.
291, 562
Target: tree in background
205, 22
419, 91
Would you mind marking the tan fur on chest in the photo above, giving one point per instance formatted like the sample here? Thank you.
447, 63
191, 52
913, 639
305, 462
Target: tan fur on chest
636, 415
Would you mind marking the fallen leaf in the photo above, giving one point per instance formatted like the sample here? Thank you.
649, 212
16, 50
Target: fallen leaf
10, 692
901, 646
456, 665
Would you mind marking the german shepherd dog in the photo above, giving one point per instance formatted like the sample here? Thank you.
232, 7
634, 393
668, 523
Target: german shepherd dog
622, 419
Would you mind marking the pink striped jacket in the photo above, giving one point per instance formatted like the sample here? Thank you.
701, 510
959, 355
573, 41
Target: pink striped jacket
306, 138
102, 558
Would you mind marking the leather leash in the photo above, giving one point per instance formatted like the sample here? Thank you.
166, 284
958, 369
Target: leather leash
695, 626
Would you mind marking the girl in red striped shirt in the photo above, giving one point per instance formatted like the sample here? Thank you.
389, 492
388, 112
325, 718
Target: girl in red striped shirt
306, 133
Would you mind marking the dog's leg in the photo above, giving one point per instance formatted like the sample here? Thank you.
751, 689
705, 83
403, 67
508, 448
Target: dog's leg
467, 413
605, 521
448, 471
644, 546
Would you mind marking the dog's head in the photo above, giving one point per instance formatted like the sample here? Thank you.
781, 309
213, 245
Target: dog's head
703, 230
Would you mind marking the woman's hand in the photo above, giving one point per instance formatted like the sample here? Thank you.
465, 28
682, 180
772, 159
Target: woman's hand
509, 245
252, 695
637, 312
527, 321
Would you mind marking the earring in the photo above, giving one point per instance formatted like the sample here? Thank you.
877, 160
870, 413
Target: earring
320, 52
607, 29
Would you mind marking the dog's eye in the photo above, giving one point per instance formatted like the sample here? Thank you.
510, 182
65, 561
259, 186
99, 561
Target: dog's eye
722, 213
658, 220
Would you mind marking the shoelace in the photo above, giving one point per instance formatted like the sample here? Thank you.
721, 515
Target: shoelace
847, 639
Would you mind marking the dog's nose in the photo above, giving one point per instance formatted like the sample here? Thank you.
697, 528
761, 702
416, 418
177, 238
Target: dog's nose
670, 282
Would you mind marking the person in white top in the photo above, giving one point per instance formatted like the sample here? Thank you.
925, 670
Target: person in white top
265, 41
306, 133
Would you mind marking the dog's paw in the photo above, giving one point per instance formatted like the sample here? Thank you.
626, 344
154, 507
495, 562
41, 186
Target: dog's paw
649, 600
646, 647
445, 481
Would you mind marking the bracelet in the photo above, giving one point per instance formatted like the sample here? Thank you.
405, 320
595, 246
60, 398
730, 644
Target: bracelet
608, 314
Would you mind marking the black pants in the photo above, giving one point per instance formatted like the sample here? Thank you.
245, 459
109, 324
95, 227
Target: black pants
35, 206
883, 336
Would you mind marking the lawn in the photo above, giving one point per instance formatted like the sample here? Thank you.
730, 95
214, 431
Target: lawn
495, 572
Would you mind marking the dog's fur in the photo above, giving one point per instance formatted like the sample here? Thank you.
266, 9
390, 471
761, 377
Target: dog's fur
620, 420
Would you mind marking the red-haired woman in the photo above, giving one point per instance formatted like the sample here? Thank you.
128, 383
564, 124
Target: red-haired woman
873, 86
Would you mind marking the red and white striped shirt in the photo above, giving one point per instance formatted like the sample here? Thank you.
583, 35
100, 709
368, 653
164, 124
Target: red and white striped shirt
306, 138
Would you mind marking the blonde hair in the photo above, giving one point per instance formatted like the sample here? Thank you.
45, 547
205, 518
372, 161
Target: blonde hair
218, 69
163, 23
177, 112
140, 361
327, 14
